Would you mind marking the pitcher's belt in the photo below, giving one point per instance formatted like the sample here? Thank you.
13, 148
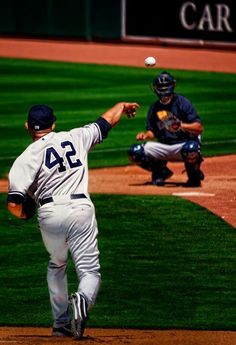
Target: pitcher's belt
72, 196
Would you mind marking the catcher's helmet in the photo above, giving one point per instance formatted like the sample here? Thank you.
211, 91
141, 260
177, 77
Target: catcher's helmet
163, 85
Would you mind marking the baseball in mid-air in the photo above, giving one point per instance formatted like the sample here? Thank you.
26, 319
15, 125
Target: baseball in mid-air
150, 61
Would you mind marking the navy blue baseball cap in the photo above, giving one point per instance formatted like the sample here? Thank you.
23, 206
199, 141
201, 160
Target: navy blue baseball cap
40, 117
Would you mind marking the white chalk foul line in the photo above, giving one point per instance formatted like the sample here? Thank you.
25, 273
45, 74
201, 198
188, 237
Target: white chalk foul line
102, 151
193, 194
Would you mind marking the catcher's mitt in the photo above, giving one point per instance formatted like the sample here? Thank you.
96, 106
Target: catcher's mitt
171, 122
29, 207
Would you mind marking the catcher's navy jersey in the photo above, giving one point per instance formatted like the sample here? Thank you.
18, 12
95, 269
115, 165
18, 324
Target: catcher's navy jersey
183, 109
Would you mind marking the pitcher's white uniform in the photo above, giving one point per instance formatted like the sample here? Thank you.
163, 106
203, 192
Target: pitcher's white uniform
54, 170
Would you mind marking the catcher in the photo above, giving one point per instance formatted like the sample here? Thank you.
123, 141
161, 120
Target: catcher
174, 122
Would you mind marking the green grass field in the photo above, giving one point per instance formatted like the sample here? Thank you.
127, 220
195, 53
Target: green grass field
165, 262
79, 93
157, 271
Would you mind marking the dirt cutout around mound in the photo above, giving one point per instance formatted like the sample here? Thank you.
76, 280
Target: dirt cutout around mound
218, 191
42, 336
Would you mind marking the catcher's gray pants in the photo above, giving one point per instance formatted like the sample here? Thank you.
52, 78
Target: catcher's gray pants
70, 225
160, 151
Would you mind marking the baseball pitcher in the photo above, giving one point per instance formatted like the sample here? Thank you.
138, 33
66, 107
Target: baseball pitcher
52, 173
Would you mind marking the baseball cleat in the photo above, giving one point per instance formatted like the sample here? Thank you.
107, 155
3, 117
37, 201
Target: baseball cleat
158, 182
63, 331
159, 179
79, 314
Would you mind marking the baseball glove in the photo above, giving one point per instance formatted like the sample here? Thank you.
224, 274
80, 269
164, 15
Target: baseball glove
170, 121
29, 207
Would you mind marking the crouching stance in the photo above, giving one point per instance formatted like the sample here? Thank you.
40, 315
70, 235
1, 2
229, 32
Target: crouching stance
173, 133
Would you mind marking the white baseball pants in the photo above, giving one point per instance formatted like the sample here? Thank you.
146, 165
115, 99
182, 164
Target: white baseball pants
70, 226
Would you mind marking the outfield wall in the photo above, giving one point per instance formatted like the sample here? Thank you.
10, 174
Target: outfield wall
197, 22
81, 19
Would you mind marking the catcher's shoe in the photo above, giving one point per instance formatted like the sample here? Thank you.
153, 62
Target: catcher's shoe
158, 179
79, 309
63, 331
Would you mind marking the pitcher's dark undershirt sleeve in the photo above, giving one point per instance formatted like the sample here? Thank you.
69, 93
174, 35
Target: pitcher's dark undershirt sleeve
104, 126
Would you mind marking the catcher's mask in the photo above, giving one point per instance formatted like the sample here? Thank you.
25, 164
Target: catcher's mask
164, 84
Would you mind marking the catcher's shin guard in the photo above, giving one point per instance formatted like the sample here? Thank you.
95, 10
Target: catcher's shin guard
159, 170
195, 175
137, 156
192, 159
